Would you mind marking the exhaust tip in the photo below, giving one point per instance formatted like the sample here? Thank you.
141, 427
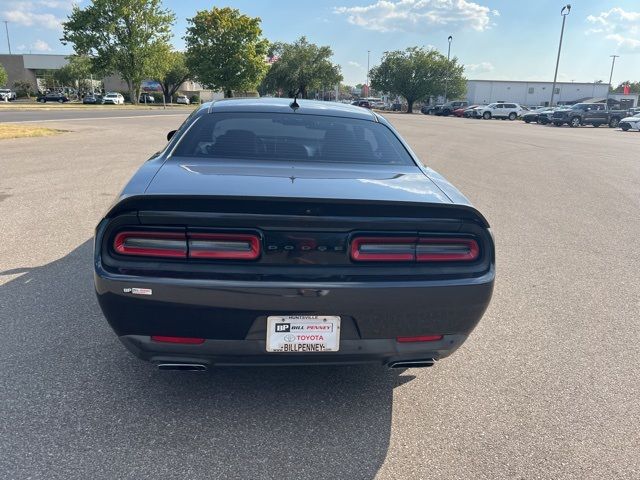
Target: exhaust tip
185, 367
412, 363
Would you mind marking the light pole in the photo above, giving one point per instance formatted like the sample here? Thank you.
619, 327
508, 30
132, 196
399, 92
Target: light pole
446, 78
613, 62
564, 12
6, 27
367, 85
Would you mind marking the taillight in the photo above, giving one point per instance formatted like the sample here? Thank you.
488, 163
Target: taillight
414, 249
447, 250
151, 244
221, 246
383, 249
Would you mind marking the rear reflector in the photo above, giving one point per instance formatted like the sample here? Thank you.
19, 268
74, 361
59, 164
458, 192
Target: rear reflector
421, 338
414, 249
183, 340
224, 246
151, 244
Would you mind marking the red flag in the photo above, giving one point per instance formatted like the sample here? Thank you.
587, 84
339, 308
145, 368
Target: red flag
627, 89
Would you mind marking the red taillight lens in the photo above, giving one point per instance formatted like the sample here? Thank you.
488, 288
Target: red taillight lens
383, 249
447, 250
420, 338
221, 246
182, 340
410, 249
151, 244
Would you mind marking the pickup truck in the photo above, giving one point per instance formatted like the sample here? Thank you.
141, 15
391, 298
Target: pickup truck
595, 114
8, 94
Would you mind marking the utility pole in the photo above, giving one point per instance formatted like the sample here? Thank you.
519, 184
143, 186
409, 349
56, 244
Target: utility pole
367, 85
446, 80
613, 62
6, 27
564, 12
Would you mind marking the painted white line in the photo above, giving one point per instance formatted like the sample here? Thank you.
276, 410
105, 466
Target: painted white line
96, 118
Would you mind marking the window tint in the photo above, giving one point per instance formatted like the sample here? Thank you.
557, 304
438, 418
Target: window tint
291, 137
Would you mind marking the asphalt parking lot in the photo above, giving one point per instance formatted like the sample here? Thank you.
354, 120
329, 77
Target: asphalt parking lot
547, 387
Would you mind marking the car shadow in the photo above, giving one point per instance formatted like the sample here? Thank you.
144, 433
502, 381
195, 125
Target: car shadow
76, 404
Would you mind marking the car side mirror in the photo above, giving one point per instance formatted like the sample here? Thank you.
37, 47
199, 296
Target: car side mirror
171, 134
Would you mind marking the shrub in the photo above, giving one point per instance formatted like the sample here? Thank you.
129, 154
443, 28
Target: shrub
23, 88
194, 99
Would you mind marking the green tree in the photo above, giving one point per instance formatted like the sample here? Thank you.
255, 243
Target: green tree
122, 36
4, 78
301, 66
23, 88
633, 86
175, 74
225, 50
416, 73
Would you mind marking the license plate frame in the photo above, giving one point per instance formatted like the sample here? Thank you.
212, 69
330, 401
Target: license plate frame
303, 333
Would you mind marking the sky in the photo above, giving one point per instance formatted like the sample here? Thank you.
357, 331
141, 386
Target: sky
494, 39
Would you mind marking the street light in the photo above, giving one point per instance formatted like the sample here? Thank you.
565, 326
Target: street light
367, 85
613, 62
6, 27
564, 12
446, 78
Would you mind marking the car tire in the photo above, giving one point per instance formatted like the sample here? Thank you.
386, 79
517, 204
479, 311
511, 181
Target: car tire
613, 123
557, 124
60, 100
486, 115
575, 122
513, 116
526, 120
625, 128
596, 125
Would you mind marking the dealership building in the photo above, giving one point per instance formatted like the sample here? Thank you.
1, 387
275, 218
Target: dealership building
539, 93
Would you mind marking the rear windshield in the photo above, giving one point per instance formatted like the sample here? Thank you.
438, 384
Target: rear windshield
291, 137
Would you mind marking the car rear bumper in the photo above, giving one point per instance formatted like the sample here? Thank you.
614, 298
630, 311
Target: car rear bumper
231, 316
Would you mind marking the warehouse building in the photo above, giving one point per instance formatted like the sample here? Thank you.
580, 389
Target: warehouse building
533, 93
33, 68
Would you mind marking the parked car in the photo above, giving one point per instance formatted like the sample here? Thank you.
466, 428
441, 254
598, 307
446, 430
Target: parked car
396, 107
329, 266
447, 108
531, 115
500, 110
459, 112
8, 94
595, 114
632, 122
59, 97
183, 99
473, 111
113, 98
430, 109
146, 98
362, 103
92, 99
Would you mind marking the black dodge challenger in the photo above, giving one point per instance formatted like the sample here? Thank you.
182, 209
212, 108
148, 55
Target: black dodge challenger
282, 232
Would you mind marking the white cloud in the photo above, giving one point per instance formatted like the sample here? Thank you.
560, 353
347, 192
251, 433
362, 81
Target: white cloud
40, 46
354, 64
617, 25
30, 19
402, 15
482, 67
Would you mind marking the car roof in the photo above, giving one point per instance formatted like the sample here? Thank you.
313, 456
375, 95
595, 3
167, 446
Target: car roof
283, 105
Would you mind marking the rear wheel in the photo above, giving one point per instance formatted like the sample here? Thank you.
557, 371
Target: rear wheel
613, 123
526, 120
486, 115
624, 127
513, 116
596, 125
575, 122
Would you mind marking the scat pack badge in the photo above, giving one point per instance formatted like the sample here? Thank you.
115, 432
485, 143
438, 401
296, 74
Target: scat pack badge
138, 291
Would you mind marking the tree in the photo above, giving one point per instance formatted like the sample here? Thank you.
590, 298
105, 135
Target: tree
225, 50
416, 73
300, 67
175, 74
23, 88
122, 36
634, 87
4, 78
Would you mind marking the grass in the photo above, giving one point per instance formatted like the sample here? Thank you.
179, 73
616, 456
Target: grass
8, 130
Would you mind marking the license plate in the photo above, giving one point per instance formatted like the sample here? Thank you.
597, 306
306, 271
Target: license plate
303, 334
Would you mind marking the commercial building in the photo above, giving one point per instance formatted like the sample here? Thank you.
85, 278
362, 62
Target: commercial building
539, 93
36, 69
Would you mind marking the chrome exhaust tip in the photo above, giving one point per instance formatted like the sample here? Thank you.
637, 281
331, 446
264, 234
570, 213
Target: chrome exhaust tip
185, 367
412, 363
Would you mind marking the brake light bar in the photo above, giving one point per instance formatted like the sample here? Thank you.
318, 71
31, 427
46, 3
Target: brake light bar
182, 340
151, 244
420, 338
414, 249
226, 246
